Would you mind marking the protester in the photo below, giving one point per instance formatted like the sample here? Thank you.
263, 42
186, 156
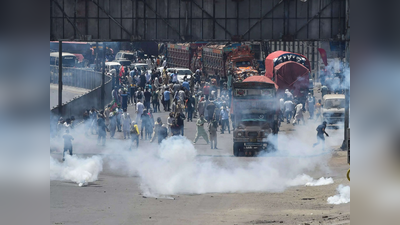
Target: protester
210, 110
93, 119
139, 110
124, 101
310, 105
299, 114
67, 143
320, 135
289, 107
318, 107
118, 113
150, 124
157, 126
167, 99
113, 124
212, 129
163, 134
180, 120
170, 120
206, 90
200, 130
126, 124
201, 107
145, 125
134, 132
225, 120
175, 128
147, 99
190, 105
102, 128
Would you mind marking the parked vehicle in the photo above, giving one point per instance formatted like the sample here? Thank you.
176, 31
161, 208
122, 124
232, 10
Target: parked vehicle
123, 62
68, 59
112, 65
333, 106
140, 66
181, 55
125, 55
289, 71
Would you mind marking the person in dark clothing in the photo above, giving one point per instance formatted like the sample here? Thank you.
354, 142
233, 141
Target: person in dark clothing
210, 110
190, 107
67, 143
101, 130
147, 98
145, 120
142, 81
320, 135
180, 119
175, 129
163, 133
124, 102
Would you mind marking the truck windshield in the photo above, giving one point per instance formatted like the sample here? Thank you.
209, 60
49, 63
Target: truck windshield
334, 103
243, 64
253, 118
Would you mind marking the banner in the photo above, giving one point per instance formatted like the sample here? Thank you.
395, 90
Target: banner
323, 56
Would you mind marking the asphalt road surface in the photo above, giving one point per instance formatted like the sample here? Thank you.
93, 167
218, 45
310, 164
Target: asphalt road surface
117, 198
68, 94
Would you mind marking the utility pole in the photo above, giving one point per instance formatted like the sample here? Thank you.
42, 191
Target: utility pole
60, 76
103, 77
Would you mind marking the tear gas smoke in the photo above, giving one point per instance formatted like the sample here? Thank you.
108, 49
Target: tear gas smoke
174, 167
306, 180
78, 170
342, 196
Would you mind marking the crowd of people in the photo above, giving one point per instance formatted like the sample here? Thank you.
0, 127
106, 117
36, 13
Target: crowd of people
194, 97
293, 110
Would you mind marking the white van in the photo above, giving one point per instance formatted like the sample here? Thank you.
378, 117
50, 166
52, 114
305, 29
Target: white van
125, 55
333, 106
112, 65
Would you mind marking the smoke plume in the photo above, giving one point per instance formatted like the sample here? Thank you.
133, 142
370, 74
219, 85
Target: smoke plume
342, 196
79, 170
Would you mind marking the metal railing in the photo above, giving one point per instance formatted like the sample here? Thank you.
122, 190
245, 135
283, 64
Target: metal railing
76, 77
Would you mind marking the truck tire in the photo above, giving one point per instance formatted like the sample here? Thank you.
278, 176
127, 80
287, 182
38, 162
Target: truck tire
236, 149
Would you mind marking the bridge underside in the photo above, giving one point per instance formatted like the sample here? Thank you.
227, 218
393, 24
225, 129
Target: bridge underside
196, 20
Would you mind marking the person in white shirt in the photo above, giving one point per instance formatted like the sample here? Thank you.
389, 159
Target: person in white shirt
139, 110
288, 94
174, 76
299, 114
156, 83
164, 64
288, 105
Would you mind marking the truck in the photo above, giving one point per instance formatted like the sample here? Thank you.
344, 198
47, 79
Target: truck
237, 58
333, 106
289, 71
181, 55
255, 110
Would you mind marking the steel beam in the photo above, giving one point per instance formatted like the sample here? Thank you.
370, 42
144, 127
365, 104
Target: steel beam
112, 18
68, 19
213, 18
262, 18
163, 19
315, 16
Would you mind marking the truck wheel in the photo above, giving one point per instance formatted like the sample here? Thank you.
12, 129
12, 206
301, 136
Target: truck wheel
236, 149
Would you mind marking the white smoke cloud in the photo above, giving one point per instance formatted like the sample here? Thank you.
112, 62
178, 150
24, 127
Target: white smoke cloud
306, 180
342, 196
78, 170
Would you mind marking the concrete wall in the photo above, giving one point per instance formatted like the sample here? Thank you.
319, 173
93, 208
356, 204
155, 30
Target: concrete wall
76, 107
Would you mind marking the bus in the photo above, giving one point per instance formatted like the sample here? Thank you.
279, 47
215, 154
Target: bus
68, 59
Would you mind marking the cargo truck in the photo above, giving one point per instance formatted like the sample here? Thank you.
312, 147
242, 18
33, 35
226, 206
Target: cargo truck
289, 71
255, 110
180, 55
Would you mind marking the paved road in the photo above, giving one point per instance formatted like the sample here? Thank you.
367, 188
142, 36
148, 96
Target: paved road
68, 94
117, 197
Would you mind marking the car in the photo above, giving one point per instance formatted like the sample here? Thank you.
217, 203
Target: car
333, 106
181, 72
140, 66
